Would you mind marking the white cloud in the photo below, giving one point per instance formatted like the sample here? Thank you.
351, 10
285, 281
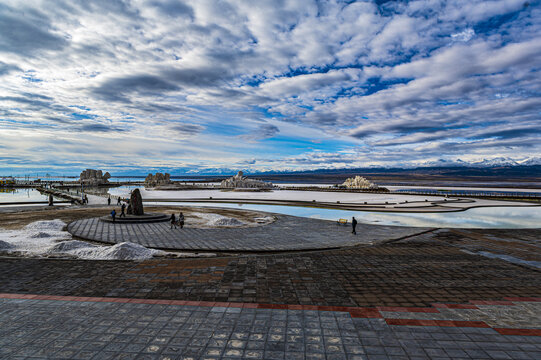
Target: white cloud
207, 72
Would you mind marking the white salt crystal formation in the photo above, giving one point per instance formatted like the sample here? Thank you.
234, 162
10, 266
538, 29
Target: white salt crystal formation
91, 177
359, 182
158, 179
242, 182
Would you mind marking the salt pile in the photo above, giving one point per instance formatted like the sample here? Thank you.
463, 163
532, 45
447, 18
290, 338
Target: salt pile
46, 225
47, 238
213, 220
264, 219
225, 221
122, 251
5, 245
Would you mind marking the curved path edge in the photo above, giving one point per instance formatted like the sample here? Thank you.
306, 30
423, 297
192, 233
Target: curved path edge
287, 233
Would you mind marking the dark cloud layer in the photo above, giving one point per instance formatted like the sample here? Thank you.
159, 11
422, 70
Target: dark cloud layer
27, 32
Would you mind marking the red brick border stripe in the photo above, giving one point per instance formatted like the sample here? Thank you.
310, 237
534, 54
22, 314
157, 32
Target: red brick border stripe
528, 299
408, 309
355, 312
482, 302
521, 332
447, 323
455, 306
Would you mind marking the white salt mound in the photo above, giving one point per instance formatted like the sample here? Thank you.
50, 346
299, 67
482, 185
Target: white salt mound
5, 245
46, 238
40, 235
46, 225
66, 246
122, 251
225, 221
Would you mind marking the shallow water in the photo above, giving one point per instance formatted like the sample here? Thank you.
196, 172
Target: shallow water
488, 218
8, 195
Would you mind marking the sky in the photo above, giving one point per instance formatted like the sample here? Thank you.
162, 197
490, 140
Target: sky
194, 87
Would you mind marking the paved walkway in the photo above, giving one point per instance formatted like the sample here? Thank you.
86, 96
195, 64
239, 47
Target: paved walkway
422, 297
286, 233
417, 271
87, 328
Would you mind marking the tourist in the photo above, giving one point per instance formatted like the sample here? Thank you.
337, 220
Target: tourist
353, 225
181, 220
118, 200
113, 214
122, 209
86, 199
173, 221
109, 201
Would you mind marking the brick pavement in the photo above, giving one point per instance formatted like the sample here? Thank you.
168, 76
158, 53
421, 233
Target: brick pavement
98, 329
286, 233
422, 297
418, 271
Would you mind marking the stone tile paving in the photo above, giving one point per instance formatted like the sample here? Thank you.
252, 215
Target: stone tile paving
415, 272
53, 329
521, 244
419, 298
286, 233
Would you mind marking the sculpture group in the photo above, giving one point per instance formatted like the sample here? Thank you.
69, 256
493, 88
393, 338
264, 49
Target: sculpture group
359, 182
242, 182
91, 177
158, 179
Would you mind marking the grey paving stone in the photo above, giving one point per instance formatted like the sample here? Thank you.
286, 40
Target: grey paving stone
283, 234
133, 331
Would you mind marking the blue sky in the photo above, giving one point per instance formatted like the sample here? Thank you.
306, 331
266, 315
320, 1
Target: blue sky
198, 86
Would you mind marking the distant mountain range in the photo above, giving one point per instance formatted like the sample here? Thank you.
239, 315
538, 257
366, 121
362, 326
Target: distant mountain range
499, 161
489, 171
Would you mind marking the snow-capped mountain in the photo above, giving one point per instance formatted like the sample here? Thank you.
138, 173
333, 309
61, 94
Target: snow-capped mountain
498, 161
494, 162
531, 161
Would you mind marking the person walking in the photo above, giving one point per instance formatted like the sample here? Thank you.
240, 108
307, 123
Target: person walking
181, 220
122, 209
118, 200
353, 225
173, 221
109, 201
86, 199
113, 215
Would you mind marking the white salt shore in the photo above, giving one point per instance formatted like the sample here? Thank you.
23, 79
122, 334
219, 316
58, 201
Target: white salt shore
47, 239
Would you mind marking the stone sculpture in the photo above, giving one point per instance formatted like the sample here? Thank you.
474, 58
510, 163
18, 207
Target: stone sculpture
136, 203
91, 177
242, 182
158, 179
359, 182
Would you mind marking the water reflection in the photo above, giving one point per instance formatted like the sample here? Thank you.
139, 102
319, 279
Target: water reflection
9, 195
488, 218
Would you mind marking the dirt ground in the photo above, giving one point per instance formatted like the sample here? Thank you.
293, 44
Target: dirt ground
18, 219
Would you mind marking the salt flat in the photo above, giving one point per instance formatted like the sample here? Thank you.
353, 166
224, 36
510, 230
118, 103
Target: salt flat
386, 202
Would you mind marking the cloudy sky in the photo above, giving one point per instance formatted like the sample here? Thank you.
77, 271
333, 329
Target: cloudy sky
193, 86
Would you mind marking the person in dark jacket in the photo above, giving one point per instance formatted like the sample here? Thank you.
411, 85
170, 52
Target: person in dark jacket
181, 220
122, 210
109, 200
113, 215
173, 221
353, 225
